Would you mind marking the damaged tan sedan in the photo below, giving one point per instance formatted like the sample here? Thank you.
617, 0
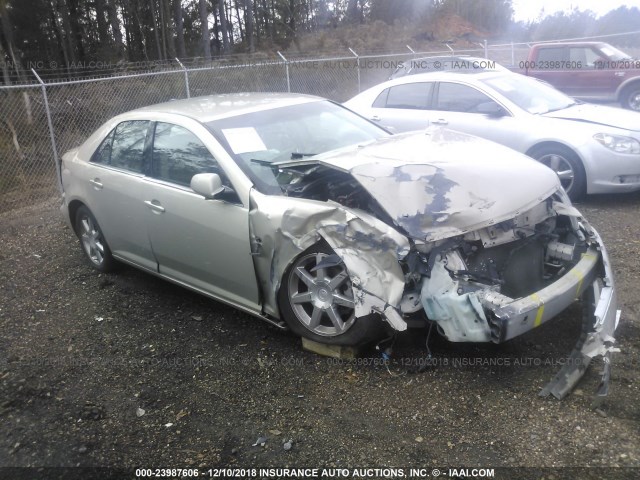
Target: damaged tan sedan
300, 212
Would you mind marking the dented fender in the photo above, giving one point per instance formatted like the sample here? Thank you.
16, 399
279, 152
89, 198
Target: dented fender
283, 227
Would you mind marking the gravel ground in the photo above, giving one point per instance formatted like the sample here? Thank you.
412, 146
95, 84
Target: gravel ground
127, 370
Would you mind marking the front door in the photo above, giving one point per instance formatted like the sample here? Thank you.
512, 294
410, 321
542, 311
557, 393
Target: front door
201, 243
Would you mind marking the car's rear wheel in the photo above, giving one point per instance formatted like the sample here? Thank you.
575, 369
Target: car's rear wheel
567, 166
92, 240
630, 97
316, 300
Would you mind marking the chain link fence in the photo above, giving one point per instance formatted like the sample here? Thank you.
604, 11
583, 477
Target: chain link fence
40, 121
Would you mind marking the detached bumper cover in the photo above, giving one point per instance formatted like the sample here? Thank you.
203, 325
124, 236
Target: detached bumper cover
601, 318
592, 279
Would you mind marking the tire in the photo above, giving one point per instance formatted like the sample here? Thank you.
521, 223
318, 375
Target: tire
630, 98
93, 242
567, 166
319, 304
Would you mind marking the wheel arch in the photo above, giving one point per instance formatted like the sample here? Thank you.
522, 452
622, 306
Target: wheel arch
74, 205
556, 143
625, 86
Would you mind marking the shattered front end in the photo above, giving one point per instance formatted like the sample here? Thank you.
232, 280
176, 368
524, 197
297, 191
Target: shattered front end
482, 239
503, 280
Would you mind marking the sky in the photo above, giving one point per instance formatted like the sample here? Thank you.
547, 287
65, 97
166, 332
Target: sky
527, 10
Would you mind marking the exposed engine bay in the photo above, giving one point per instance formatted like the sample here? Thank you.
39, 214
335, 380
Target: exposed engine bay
454, 279
496, 282
324, 184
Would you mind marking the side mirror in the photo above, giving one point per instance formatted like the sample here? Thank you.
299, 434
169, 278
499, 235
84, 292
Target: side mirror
209, 185
491, 109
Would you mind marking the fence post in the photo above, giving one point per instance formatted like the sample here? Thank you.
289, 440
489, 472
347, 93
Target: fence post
286, 66
513, 54
358, 66
186, 77
51, 134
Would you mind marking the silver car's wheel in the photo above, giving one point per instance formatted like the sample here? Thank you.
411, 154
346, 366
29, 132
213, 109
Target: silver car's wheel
317, 302
320, 296
567, 166
92, 240
562, 167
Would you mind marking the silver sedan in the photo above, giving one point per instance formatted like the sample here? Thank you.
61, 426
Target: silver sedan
304, 214
592, 148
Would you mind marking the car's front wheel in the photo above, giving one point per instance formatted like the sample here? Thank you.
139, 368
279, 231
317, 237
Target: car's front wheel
92, 240
316, 300
567, 166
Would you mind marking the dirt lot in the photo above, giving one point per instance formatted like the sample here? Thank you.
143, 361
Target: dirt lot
127, 370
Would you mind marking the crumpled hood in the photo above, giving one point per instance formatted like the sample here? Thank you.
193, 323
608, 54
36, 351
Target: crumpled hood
440, 183
600, 115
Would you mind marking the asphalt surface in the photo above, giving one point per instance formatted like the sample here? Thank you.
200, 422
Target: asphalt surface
126, 370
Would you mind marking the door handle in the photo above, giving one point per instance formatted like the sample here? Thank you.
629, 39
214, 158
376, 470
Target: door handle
440, 121
154, 206
376, 118
96, 183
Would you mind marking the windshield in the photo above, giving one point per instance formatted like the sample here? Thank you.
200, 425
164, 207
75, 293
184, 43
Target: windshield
613, 53
259, 139
532, 95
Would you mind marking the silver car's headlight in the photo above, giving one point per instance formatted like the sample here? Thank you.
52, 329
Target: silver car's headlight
618, 143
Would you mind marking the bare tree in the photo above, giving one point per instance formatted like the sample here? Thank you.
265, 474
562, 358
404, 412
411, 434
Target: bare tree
115, 26
223, 26
177, 13
154, 27
250, 27
167, 27
103, 32
204, 20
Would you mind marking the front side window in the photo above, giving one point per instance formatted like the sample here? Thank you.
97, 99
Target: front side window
587, 57
178, 155
127, 149
454, 97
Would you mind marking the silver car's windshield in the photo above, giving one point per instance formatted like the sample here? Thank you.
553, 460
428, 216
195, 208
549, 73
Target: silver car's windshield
259, 139
529, 94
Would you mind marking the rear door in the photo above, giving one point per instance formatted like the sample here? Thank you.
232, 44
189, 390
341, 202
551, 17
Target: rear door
114, 175
198, 242
403, 107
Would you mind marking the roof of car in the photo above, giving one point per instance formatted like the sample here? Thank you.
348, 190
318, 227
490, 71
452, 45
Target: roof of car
447, 75
214, 107
567, 44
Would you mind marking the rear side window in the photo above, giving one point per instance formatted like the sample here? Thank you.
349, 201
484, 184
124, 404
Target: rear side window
103, 154
551, 54
178, 155
413, 96
381, 101
127, 150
